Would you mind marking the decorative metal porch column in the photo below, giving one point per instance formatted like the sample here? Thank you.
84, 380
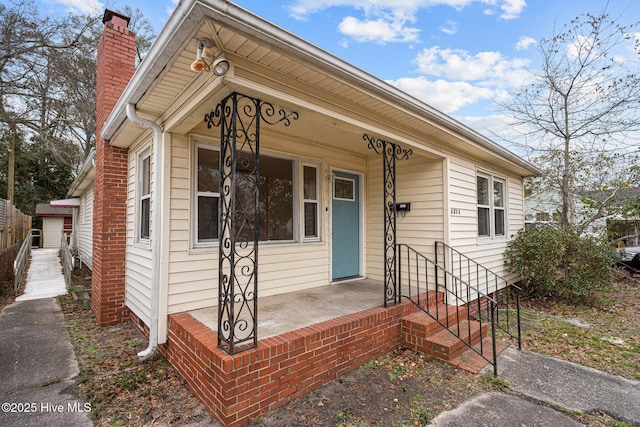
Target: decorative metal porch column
390, 153
239, 118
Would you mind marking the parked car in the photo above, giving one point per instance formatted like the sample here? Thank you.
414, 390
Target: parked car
630, 260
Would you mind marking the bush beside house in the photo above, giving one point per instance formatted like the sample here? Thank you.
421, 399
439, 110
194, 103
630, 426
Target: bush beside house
559, 262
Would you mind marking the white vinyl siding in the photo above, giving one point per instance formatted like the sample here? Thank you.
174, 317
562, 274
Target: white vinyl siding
283, 266
84, 227
419, 181
463, 224
138, 265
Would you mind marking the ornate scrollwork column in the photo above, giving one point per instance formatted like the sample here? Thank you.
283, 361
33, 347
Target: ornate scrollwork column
390, 153
239, 118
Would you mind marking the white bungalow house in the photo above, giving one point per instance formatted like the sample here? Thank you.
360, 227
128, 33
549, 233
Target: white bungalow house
273, 168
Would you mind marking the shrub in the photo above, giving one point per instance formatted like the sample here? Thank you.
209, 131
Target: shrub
559, 262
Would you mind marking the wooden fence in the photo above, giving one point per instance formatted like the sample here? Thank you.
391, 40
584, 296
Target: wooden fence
14, 225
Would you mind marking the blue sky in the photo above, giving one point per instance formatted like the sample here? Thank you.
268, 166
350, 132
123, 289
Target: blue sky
459, 56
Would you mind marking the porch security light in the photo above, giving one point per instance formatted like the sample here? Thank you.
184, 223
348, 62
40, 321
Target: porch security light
203, 56
220, 65
205, 59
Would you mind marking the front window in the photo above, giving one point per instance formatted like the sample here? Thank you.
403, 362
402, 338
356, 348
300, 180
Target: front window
281, 210
310, 190
484, 209
207, 195
498, 208
491, 206
275, 200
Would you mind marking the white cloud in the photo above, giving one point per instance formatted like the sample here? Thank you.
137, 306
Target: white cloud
301, 9
378, 30
450, 27
511, 9
581, 46
525, 43
82, 6
443, 95
386, 20
484, 68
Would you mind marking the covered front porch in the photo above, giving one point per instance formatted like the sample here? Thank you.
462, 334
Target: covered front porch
306, 339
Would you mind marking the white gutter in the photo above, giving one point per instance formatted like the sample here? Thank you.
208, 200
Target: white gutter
156, 232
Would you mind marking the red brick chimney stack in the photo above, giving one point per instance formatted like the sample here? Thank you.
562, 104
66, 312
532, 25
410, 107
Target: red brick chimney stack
115, 67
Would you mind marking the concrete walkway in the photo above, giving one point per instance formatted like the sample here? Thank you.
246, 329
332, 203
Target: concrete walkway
557, 383
38, 368
44, 277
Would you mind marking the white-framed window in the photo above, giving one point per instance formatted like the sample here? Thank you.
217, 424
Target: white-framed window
311, 205
289, 199
491, 201
207, 182
144, 195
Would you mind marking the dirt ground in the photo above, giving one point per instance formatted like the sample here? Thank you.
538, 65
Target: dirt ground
401, 389
404, 388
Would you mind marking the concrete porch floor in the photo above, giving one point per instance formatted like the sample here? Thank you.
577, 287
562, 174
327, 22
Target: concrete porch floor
287, 312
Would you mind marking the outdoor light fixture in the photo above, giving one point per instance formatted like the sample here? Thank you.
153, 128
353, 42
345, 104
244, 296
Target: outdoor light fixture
220, 65
206, 60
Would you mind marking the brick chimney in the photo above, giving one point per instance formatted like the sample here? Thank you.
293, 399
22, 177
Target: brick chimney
115, 67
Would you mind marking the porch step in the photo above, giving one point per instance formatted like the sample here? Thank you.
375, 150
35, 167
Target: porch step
446, 346
471, 361
422, 333
424, 326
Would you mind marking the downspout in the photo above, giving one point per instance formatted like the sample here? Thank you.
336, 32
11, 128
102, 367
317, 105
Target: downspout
156, 231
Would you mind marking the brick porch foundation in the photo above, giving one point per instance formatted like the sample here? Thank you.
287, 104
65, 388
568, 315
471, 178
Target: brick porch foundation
235, 388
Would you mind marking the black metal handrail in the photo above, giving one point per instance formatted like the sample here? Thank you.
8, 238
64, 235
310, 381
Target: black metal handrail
505, 293
417, 275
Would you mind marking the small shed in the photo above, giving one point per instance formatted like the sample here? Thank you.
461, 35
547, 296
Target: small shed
55, 220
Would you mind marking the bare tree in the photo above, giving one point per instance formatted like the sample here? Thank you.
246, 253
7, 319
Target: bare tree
580, 114
47, 87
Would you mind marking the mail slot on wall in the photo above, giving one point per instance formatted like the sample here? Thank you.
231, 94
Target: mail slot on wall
403, 207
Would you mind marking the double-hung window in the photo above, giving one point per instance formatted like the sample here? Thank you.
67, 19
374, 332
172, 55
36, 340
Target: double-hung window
310, 202
144, 199
283, 214
207, 195
491, 193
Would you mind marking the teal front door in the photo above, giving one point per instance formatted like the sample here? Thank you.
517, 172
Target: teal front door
345, 226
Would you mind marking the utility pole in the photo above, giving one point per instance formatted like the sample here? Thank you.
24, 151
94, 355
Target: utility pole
12, 160
9, 220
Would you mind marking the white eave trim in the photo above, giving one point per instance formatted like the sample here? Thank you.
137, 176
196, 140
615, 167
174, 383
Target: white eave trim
66, 203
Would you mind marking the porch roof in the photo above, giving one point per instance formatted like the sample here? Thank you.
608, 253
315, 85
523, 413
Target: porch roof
337, 102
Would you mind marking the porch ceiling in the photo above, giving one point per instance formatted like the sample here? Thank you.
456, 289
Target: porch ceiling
337, 102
